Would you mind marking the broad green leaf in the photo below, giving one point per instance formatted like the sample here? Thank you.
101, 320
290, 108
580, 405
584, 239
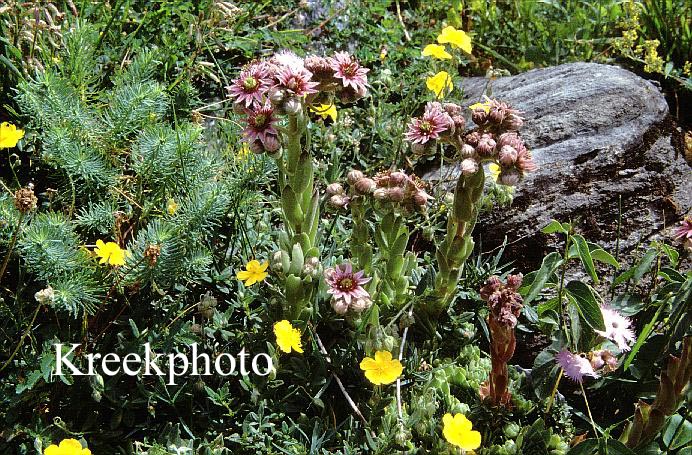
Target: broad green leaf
585, 256
553, 227
644, 265
601, 255
550, 263
585, 299
678, 432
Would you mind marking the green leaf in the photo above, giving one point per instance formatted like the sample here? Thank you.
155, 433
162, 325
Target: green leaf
642, 338
550, 263
678, 432
602, 255
555, 226
585, 256
644, 265
585, 299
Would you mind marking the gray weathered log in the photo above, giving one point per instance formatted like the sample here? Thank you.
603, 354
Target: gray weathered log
599, 134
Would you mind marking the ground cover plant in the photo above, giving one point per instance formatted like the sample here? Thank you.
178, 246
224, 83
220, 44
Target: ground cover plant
242, 181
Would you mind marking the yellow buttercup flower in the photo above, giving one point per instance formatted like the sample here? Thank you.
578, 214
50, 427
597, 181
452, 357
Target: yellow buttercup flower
325, 110
287, 337
457, 38
171, 206
9, 135
254, 272
485, 106
457, 430
244, 153
437, 51
110, 253
382, 369
66, 447
494, 170
439, 84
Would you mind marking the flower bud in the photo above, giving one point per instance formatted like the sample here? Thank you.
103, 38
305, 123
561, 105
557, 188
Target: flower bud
380, 194
277, 96
486, 145
360, 305
479, 117
452, 109
472, 138
395, 194
271, 143
293, 106
335, 188
496, 116
45, 296
513, 122
420, 198
467, 151
469, 166
365, 185
256, 147
353, 176
312, 267
340, 306
397, 178
507, 155
459, 122
339, 201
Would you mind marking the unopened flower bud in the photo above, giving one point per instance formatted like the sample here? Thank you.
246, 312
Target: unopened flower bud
365, 185
277, 96
496, 116
485, 146
507, 155
271, 143
469, 166
513, 122
509, 177
472, 138
467, 151
397, 178
479, 117
395, 194
360, 305
312, 267
380, 194
256, 147
459, 122
339, 201
420, 198
353, 176
452, 109
340, 306
293, 106
335, 188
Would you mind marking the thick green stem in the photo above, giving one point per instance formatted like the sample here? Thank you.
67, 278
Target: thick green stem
458, 244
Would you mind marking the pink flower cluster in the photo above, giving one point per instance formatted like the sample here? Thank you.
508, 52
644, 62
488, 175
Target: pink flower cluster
387, 186
346, 288
495, 140
503, 299
284, 84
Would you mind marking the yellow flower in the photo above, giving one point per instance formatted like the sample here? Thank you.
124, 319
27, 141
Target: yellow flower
382, 369
244, 153
287, 337
325, 110
171, 206
110, 253
494, 170
439, 84
457, 38
66, 447
254, 272
485, 106
457, 430
437, 51
9, 135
